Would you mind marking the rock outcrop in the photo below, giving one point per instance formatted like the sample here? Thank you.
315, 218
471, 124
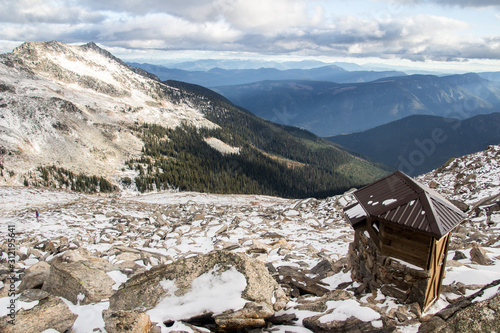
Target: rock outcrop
50, 312
260, 295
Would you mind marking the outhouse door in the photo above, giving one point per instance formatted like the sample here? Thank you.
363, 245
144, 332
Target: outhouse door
436, 269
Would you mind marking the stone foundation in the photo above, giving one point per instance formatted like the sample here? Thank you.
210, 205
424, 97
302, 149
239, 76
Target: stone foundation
376, 272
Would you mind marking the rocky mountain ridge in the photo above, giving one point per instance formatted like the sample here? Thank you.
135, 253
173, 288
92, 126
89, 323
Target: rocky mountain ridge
77, 117
129, 254
71, 105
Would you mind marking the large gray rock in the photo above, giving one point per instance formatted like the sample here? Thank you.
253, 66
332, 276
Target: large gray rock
262, 296
127, 322
80, 254
35, 276
299, 281
79, 281
476, 313
50, 312
478, 255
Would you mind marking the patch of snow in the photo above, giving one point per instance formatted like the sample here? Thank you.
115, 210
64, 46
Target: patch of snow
389, 201
118, 277
474, 274
221, 146
348, 308
211, 292
488, 293
169, 285
80, 297
335, 280
89, 316
356, 212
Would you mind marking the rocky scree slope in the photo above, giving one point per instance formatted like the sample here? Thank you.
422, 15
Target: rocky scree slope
191, 262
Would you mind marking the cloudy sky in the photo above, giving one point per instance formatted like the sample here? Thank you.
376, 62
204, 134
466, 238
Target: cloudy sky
463, 33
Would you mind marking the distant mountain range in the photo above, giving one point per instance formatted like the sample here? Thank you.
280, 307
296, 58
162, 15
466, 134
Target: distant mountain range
492, 76
208, 64
77, 117
328, 108
418, 144
218, 76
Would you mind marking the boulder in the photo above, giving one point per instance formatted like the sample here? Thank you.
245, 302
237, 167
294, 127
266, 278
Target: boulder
333, 321
35, 276
127, 322
319, 304
298, 280
200, 278
460, 205
327, 267
459, 255
250, 316
478, 255
50, 313
79, 281
475, 313
80, 254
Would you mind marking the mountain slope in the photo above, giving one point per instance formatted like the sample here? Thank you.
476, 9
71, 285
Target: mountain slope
327, 108
77, 117
218, 76
70, 106
418, 144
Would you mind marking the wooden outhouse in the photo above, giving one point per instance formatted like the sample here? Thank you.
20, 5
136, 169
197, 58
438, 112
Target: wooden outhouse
402, 231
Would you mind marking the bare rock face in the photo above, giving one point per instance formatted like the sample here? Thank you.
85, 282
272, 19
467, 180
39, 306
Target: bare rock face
79, 282
50, 313
476, 313
262, 296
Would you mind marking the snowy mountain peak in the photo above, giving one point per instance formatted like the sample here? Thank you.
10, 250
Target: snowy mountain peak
86, 66
72, 105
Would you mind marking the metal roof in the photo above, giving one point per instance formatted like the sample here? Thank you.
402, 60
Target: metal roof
399, 199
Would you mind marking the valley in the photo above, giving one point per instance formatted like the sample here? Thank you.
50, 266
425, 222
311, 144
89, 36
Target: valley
419, 144
330, 108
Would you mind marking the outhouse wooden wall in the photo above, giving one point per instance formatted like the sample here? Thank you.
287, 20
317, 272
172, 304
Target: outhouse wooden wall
380, 256
400, 242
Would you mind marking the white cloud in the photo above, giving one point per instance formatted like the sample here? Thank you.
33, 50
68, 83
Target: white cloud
165, 31
461, 3
257, 26
45, 11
